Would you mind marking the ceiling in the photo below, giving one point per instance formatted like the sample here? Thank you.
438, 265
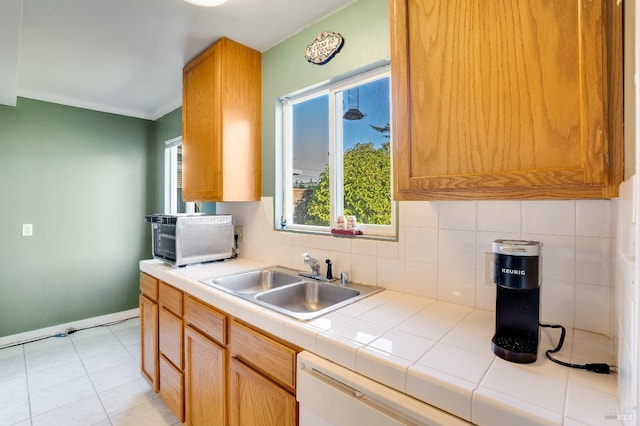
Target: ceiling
126, 56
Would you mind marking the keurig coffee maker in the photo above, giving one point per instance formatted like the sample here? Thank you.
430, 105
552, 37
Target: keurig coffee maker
517, 277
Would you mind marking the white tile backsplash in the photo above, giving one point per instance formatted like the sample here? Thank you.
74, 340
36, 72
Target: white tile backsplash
457, 285
593, 261
390, 274
458, 215
421, 245
558, 256
457, 248
500, 216
557, 304
442, 251
421, 279
422, 215
363, 269
593, 304
549, 217
625, 308
593, 218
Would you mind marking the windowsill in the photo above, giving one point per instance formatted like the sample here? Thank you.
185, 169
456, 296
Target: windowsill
372, 237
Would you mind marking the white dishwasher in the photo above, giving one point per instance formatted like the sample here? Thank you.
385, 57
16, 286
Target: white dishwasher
329, 394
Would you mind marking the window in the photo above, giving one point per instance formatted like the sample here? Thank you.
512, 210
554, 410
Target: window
336, 156
173, 202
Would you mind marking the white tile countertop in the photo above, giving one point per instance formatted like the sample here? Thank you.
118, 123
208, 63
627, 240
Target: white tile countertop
435, 351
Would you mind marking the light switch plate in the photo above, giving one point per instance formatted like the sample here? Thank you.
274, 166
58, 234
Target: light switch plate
27, 229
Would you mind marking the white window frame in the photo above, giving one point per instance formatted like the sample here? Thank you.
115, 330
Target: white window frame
170, 178
284, 162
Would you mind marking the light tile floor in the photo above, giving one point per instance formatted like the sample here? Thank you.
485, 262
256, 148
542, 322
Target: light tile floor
91, 377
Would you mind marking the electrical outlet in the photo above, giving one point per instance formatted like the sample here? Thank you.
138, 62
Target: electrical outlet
239, 230
27, 229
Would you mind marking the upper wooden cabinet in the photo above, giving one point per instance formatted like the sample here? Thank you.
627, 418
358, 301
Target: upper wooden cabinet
221, 134
497, 99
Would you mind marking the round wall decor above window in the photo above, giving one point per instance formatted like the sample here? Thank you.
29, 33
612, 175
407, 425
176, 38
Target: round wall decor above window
323, 47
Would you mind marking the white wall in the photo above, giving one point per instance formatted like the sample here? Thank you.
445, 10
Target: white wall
442, 252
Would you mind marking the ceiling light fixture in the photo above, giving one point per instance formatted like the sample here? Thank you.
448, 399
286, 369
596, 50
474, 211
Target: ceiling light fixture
206, 3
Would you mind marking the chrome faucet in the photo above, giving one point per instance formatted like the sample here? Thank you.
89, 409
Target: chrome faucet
313, 264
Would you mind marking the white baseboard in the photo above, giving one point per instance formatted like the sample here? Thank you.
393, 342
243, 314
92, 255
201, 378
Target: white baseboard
28, 336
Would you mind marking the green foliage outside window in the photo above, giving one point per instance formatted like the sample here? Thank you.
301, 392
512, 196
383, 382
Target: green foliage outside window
367, 188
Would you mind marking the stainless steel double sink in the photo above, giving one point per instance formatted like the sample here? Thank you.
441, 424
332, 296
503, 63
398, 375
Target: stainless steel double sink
284, 290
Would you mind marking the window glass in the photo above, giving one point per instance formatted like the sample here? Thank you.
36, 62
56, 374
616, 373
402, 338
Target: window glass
366, 159
337, 156
310, 161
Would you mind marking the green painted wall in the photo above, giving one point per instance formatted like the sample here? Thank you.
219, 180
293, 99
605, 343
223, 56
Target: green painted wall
80, 177
364, 26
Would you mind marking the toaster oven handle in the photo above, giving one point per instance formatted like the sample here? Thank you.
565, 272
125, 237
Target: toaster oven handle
159, 218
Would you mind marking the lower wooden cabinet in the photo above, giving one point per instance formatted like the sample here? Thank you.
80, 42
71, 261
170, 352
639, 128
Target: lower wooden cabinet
257, 401
204, 376
172, 387
211, 369
262, 379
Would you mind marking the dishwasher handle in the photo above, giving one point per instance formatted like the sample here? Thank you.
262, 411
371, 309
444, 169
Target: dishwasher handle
342, 397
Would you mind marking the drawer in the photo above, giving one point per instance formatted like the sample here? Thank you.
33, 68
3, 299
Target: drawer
264, 354
171, 337
149, 286
206, 319
172, 388
170, 298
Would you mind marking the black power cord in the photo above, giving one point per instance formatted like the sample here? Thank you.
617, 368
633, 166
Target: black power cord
66, 333
600, 368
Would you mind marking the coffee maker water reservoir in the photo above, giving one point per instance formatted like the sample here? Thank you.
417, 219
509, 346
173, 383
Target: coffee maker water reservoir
517, 276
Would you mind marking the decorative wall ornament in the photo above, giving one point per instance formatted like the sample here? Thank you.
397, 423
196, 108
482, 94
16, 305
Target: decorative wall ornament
323, 47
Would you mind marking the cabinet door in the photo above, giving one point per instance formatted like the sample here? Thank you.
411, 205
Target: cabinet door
503, 99
172, 387
202, 127
171, 337
149, 341
221, 124
255, 400
204, 377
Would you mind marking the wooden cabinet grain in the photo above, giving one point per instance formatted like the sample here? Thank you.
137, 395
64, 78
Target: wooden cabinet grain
205, 364
170, 345
149, 329
255, 400
221, 127
172, 387
262, 379
502, 99
204, 374
211, 369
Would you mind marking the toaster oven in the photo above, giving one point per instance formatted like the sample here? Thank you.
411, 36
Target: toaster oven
183, 239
